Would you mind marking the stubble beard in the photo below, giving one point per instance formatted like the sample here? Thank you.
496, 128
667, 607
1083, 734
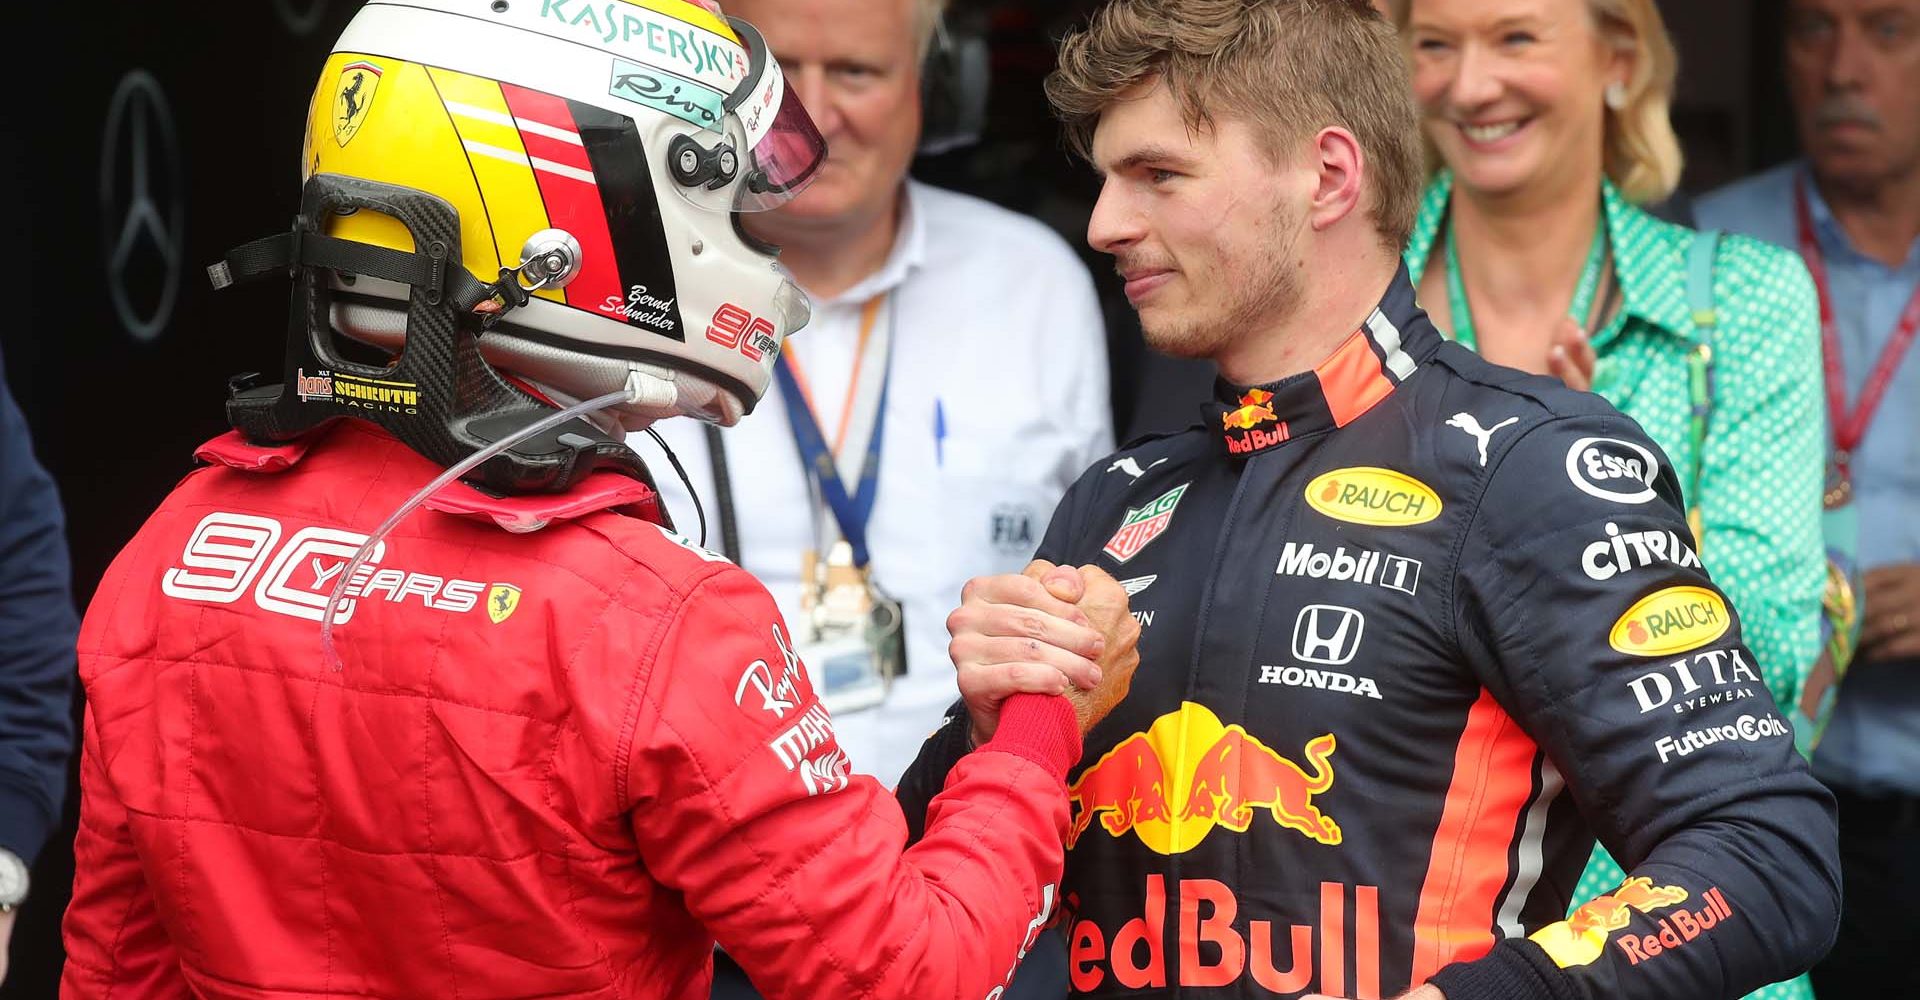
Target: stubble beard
1255, 294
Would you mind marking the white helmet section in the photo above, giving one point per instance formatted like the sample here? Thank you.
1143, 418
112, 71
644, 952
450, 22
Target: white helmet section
735, 304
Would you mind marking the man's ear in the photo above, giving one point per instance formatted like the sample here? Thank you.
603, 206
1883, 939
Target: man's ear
1341, 177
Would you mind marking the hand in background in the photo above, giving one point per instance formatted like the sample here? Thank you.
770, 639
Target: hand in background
1571, 358
1890, 628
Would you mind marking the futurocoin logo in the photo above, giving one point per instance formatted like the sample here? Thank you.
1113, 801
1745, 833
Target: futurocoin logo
143, 206
1368, 495
1670, 621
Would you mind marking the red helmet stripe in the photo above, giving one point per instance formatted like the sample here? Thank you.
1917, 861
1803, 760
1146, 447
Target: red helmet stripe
573, 198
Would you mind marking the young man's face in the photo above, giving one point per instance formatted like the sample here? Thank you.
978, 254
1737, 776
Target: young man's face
1853, 71
1202, 224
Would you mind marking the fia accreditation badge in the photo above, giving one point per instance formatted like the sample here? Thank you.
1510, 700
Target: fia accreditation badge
853, 642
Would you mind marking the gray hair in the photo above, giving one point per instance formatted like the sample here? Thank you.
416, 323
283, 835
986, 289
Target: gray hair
926, 20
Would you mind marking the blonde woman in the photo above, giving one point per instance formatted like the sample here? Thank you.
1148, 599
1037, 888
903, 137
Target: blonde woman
1546, 121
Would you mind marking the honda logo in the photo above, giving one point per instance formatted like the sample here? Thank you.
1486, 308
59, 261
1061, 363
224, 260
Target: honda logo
1327, 634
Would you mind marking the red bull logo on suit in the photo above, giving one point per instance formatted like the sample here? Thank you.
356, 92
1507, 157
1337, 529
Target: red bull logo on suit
1187, 774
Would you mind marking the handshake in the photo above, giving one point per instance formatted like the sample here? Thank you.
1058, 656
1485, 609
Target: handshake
1049, 630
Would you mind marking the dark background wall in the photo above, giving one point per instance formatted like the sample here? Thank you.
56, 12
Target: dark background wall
171, 132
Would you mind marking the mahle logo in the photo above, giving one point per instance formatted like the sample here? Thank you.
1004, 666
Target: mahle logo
1669, 621
1368, 495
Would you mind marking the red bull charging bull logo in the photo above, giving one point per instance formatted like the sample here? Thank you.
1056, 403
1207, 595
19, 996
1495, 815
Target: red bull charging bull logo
1188, 773
1254, 411
1250, 420
1579, 939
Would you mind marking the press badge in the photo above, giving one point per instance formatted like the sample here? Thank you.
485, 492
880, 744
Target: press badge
853, 643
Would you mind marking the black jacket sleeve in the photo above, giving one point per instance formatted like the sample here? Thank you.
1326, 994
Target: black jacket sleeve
1581, 603
927, 775
38, 629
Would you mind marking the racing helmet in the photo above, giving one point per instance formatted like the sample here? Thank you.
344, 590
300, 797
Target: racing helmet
597, 155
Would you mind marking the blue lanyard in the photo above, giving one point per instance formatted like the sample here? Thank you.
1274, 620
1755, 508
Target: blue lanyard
851, 513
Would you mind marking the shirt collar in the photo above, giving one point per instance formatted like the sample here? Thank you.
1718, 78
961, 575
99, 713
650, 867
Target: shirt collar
1367, 367
909, 252
1648, 255
1649, 261
1826, 227
601, 490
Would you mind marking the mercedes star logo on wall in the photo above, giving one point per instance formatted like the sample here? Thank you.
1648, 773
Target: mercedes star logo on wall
143, 207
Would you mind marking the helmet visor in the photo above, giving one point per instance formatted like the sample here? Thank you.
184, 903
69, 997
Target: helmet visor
783, 148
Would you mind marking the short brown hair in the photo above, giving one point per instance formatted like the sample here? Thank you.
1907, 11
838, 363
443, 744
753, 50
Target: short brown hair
1286, 67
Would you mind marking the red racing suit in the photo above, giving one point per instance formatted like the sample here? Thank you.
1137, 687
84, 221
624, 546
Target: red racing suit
559, 762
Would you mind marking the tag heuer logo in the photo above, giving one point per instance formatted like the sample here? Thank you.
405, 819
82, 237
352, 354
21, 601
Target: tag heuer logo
1144, 524
502, 601
353, 95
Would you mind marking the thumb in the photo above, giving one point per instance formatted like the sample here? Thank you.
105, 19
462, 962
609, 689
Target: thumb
1065, 583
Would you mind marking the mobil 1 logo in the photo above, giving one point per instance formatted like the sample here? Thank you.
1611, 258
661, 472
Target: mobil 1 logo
1368, 566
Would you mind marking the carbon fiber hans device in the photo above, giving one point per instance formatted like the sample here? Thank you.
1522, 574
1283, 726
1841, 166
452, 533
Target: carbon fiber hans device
440, 397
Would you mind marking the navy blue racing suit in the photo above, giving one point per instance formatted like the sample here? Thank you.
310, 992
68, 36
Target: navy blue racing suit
1415, 630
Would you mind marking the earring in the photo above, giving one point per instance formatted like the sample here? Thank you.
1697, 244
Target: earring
1616, 96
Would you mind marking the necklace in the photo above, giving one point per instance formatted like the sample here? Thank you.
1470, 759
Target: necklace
1581, 305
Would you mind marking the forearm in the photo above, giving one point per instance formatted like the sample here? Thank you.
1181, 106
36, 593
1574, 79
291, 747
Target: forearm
927, 775
949, 917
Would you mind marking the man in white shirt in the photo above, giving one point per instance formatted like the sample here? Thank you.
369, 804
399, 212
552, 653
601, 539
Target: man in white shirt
958, 345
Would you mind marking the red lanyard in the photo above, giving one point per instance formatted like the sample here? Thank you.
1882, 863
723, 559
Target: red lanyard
1849, 428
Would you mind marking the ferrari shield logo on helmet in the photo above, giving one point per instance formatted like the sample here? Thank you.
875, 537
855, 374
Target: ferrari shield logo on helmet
352, 96
502, 600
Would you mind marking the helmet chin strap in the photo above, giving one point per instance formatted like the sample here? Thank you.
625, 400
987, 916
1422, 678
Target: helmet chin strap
440, 397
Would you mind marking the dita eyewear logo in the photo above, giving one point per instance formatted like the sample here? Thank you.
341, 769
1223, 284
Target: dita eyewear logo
143, 206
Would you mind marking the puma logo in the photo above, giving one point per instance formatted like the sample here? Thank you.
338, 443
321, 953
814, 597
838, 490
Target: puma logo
1466, 422
1131, 466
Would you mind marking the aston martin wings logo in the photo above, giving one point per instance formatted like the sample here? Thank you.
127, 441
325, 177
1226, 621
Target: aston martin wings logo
352, 97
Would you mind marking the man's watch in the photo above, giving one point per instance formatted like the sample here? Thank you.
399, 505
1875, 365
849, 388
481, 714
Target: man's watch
13, 881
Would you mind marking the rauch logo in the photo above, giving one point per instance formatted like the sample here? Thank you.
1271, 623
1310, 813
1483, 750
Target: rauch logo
1670, 621
1380, 497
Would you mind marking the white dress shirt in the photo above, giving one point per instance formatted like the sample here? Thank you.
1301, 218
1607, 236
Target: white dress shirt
998, 401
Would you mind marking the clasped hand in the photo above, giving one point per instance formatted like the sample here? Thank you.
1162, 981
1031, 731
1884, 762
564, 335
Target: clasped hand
1048, 630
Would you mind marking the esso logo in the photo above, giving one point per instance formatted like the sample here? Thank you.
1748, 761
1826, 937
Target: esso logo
1612, 469
735, 328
